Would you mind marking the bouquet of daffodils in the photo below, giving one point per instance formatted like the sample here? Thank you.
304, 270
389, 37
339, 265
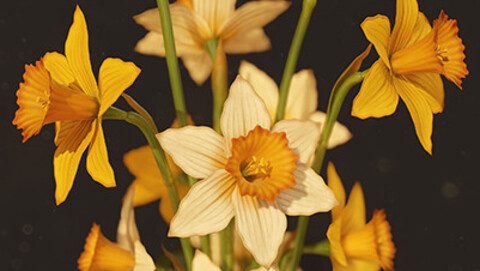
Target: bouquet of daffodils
225, 191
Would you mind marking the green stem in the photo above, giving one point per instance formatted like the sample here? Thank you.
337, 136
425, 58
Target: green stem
172, 63
299, 241
321, 248
226, 247
302, 25
219, 83
137, 120
205, 242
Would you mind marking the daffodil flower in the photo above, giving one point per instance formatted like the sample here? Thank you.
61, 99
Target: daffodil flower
62, 90
201, 262
148, 184
301, 101
195, 22
127, 254
254, 172
411, 60
354, 244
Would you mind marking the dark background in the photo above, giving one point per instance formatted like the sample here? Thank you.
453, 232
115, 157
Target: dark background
431, 201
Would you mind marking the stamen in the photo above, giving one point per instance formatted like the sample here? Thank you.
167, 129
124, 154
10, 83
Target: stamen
442, 54
257, 169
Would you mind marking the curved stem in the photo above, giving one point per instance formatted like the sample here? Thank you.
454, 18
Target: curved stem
302, 25
137, 120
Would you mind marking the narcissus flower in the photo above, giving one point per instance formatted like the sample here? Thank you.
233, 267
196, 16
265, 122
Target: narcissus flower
301, 100
128, 254
253, 173
354, 244
411, 60
62, 90
148, 183
201, 262
195, 22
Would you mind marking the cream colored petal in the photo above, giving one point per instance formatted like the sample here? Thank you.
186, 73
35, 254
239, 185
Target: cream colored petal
405, 21
78, 54
252, 41
419, 110
199, 151
207, 207
340, 133
201, 262
98, 165
215, 12
127, 232
353, 215
261, 226
150, 20
152, 44
432, 86
67, 157
263, 85
272, 268
58, 67
114, 77
335, 183
311, 195
254, 14
377, 31
377, 96
199, 66
302, 96
243, 110
302, 135
143, 261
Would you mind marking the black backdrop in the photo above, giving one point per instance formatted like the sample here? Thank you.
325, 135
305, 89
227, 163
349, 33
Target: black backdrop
431, 201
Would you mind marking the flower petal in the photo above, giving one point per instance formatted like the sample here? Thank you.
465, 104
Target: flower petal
377, 96
201, 262
261, 226
207, 207
421, 29
419, 110
68, 155
254, 14
335, 183
143, 261
114, 77
252, 41
353, 215
58, 67
432, 86
215, 12
302, 135
199, 66
127, 232
340, 133
151, 44
377, 31
98, 165
302, 96
311, 195
78, 54
263, 85
199, 151
243, 110
405, 21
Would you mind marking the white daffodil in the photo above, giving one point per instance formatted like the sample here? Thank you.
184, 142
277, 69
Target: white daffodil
196, 22
201, 262
301, 99
255, 173
127, 254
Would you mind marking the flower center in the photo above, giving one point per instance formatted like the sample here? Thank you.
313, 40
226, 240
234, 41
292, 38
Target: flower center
262, 163
442, 53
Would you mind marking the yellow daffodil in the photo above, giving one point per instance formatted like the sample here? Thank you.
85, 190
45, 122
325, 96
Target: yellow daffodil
253, 173
354, 244
201, 262
301, 100
128, 254
148, 183
63, 89
196, 22
411, 60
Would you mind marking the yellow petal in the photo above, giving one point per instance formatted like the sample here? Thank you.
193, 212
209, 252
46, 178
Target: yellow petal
252, 41
432, 86
334, 235
335, 183
78, 54
357, 265
151, 44
58, 67
199, 66
215, 12
115, 76
421, 29
97, 159
353, 215
377, 96
67, 156
254, 14
377, 31
405, 20
419, 110
421, 57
